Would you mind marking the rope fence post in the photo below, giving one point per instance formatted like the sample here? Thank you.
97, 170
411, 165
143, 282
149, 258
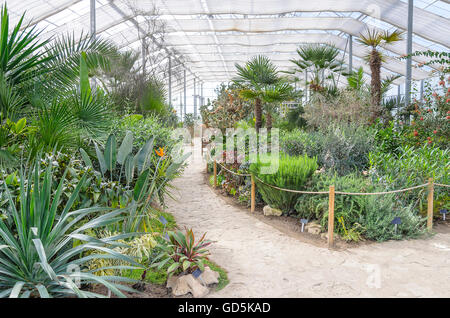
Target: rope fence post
215, 173
330, 216
430, 204
252, 204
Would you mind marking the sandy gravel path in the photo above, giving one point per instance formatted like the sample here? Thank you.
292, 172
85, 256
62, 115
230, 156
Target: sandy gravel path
263, 262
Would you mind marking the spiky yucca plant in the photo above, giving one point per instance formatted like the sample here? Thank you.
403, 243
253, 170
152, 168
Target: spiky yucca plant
38, 254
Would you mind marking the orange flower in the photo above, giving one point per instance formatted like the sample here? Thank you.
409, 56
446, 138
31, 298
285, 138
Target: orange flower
160, 152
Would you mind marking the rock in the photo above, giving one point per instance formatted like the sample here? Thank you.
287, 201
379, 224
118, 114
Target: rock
209, 277
324, 236
267, 210
187, 284
171, 281
313, 228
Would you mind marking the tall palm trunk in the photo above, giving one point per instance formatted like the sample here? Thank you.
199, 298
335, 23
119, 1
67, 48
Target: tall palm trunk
258, 115
269, 121
375, 83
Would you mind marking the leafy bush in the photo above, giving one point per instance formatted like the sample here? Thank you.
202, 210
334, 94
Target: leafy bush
342, 149
411, 167
143, 128
39, 258
292, 173
381, 210
299, 142
356, 216
349, 207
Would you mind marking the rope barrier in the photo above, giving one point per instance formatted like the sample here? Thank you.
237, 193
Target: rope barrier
384, 192
235, 173
289, 190
326, 192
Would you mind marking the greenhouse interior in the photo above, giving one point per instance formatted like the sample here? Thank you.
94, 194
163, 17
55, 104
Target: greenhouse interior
224, 149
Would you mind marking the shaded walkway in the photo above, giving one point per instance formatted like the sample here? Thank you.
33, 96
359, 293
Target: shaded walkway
261, 261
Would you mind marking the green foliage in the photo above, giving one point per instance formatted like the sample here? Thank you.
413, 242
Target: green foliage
21, 52
379, 213
143, 128
350, 208
37, 243
292, 173
342, 149
411, 167
360, 217
182, 253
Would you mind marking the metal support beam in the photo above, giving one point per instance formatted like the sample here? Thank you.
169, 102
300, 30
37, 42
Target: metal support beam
170, 80
181, 108
350, 54
399, 98
195, 100
150, 36
93, 27
184, 92
421, 91
408, 52
201, 95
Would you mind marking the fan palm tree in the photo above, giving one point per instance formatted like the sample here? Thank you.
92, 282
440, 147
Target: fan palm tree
374, 39
279, 92
318, 59
253, 78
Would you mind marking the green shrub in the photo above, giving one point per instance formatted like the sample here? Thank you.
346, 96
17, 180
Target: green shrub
299, 142
381, 210
356, 216
143, 128
350, 208
342, 149
411, 167
292, 173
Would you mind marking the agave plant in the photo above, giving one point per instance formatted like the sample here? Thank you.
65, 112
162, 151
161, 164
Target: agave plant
38, 257
182, 252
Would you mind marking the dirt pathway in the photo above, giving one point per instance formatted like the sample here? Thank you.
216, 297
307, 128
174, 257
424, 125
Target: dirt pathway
263, 262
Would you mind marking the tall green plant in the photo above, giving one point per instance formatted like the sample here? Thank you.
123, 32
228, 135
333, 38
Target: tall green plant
292, 173
38, 257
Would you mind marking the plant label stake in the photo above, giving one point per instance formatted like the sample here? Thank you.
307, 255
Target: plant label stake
197, 274
163, 220
303, 222
443, 212
396, 221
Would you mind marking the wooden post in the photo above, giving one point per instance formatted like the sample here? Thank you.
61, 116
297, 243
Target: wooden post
215, 173
331, 216
430, 204
252, 203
